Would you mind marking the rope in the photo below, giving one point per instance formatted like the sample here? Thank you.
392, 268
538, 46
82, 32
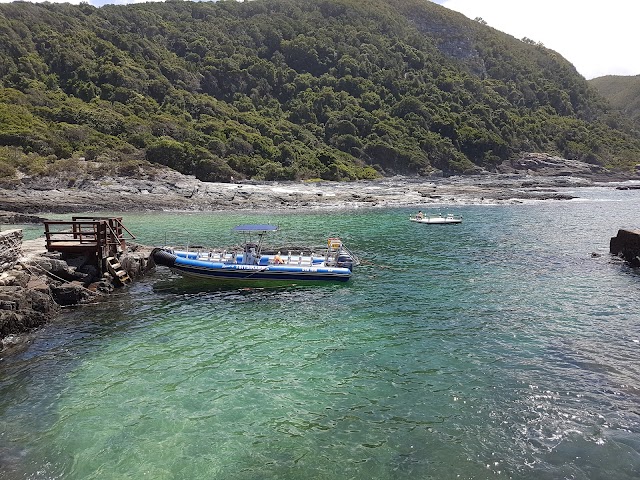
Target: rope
377, 265
48, 290
254, 272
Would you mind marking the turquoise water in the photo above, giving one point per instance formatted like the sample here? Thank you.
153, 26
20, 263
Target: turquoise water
497, 348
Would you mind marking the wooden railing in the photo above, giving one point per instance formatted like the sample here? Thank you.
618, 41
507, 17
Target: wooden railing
102, 235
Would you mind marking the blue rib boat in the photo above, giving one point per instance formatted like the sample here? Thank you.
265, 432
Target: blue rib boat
250, 264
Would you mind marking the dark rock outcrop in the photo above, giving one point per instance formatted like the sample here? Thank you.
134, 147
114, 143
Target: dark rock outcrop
626, 244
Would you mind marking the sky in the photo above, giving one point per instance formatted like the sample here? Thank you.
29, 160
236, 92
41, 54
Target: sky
599, 37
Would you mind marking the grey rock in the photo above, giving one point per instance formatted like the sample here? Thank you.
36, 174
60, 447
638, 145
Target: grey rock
70, 294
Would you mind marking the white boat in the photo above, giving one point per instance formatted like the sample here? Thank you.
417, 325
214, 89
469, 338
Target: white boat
250, 264
437, 219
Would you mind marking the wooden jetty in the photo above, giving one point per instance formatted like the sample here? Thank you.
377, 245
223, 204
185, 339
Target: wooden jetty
99, 239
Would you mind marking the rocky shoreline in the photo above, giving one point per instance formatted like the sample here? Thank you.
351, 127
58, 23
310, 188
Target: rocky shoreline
532, 177
35, 284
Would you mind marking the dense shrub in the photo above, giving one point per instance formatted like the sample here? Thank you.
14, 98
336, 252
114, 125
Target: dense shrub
333, 89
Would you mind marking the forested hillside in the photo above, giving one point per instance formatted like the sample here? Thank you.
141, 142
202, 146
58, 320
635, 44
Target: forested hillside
286, 89
623, 92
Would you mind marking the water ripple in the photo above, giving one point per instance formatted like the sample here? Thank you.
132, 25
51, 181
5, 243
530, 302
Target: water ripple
497, 348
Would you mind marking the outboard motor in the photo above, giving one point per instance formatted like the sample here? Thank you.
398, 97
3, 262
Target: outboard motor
344, 260
343, 257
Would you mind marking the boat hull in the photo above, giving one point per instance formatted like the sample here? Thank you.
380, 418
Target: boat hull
225, 272
437, 220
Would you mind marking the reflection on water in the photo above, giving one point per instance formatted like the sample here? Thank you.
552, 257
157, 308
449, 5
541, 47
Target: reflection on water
497, 348
174, 283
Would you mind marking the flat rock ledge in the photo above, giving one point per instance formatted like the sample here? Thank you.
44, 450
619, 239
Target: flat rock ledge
190, 194
36, 285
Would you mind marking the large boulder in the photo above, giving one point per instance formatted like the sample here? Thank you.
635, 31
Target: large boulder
137, 261
71, 294
626, 244
57, 267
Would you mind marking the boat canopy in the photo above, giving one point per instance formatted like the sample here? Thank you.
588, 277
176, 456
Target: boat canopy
255, 228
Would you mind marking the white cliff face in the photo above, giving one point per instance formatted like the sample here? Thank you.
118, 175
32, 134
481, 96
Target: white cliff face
453, 41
